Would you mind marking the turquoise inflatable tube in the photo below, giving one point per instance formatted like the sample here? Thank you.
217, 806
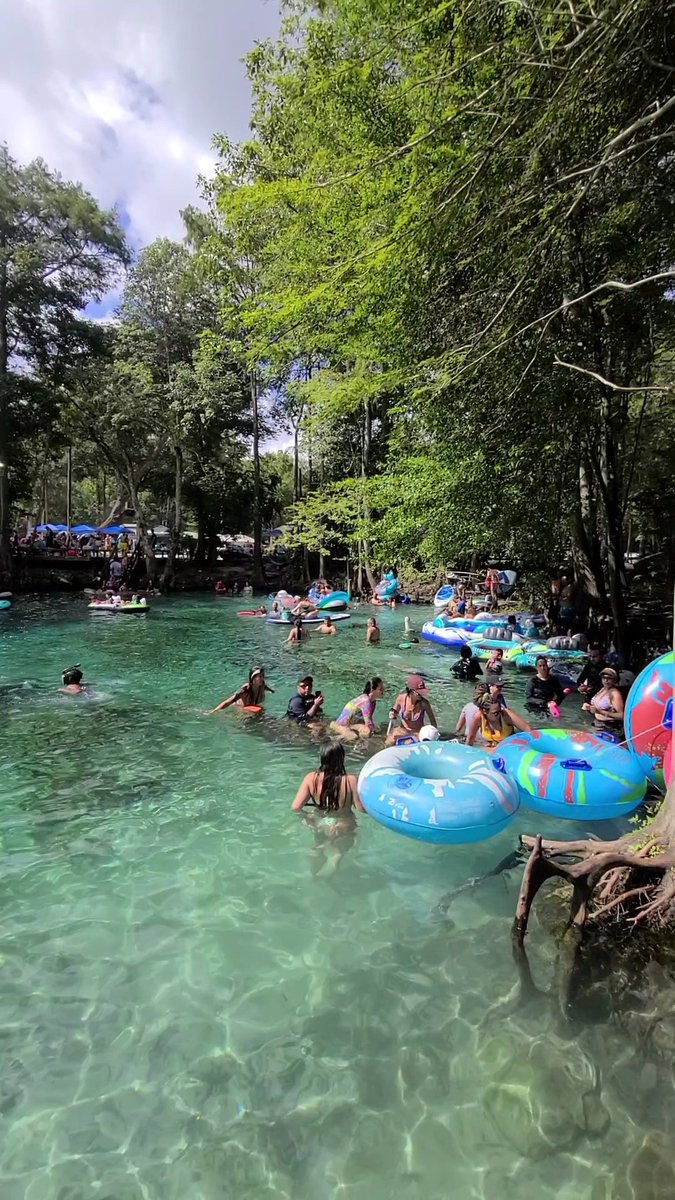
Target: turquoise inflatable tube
5, 603
439, 792
334, 600
572, 774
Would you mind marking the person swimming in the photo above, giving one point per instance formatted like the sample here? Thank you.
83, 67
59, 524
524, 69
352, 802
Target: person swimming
249, 695
72, 682
348, 725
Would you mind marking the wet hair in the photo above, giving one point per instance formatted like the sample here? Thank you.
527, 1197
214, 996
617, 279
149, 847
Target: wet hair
333, 769
371, 684
541, 658
466, 652
327, 620
298, 623
481, 689
511, 619
72, 675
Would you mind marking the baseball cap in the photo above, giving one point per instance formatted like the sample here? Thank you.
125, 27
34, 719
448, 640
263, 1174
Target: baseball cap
417, 684
429, 733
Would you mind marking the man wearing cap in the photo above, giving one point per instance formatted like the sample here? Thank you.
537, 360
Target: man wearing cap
413, 709
305, 706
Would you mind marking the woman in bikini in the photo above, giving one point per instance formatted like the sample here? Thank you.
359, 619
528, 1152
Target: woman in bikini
328, 799
356, 718
413, 709
250, 695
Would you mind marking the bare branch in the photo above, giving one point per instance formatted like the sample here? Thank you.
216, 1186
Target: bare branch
616, 387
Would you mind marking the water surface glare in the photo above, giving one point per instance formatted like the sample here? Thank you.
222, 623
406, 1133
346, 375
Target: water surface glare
195, 1005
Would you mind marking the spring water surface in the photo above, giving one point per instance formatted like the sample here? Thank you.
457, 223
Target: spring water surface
195, 1006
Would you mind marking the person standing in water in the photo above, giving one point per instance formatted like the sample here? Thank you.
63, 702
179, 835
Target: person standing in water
327, 626
249, 695
348, 724
372, 632
298, 634
412, 709
328, 799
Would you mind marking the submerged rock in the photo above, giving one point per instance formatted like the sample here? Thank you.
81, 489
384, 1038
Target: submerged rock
545, 1096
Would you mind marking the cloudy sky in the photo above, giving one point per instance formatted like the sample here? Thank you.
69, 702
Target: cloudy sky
125, 95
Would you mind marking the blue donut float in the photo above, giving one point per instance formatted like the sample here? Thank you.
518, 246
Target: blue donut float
572, 774
5, 603
444, 634
439, 792
648, 719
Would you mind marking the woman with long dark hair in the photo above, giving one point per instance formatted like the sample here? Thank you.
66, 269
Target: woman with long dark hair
331, 789
327, 799
249, 695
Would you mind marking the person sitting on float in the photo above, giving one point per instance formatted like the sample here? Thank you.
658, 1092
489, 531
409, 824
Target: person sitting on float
249, 695
413, 709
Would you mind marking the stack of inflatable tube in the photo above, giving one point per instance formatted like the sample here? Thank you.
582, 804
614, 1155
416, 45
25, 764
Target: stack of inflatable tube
387, 588
648, 719
440, 792
572, 774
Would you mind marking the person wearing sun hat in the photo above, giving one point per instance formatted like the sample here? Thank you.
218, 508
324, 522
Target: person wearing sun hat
412, 708
607, 705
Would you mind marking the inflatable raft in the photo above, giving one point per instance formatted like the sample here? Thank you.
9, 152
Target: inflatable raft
126, 609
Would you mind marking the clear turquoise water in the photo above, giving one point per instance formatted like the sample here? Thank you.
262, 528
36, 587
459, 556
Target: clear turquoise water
189, 1012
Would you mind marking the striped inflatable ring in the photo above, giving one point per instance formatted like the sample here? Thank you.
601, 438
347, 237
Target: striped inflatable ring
648, 718
572, 774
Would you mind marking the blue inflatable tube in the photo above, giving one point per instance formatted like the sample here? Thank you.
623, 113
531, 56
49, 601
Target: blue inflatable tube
334, 600
572, 774
444, 636
440, 792
5, 603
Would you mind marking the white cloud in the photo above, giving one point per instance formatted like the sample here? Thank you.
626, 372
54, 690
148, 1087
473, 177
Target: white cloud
125, 95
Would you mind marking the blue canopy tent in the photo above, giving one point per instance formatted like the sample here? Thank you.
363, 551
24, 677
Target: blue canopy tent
80, 529
54, 528
113, 529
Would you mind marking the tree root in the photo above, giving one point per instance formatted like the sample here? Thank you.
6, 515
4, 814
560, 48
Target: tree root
631, 878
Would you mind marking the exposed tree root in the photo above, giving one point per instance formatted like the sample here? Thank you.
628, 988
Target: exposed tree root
630, 879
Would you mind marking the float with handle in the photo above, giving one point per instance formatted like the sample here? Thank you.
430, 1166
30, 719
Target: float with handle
572, 774
440, 792
648, 719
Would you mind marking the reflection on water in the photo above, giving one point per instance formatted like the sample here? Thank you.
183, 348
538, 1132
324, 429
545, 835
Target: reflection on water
188, 1013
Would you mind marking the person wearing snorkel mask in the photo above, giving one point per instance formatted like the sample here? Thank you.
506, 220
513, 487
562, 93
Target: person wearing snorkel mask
72, 682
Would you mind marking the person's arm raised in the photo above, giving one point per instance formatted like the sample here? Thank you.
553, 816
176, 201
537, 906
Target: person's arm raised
224, 704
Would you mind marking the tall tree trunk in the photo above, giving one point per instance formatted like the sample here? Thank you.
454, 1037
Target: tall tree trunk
297, 487
169, 573
69, 487
258, 568
142, 528
586, 546
611, 494
5, 550
365, 468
